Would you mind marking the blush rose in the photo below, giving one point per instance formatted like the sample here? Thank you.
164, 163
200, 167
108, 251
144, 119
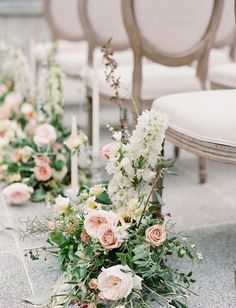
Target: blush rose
95, 219
17, 193
155, 235
43, 172
117, 282
109, 237
45, 134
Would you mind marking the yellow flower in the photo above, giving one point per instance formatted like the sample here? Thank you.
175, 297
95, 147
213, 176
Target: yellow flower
91, 204
74, 142
96, 190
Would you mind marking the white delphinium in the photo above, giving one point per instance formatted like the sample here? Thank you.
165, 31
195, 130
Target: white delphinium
133, 165
51, 88
15, 66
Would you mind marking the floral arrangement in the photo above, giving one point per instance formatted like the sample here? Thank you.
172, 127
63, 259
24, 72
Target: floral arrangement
34, 159
113, 246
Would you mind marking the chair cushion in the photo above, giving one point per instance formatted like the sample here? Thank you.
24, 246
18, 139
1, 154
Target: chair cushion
219, 56
224, 75
204, 115
158, 80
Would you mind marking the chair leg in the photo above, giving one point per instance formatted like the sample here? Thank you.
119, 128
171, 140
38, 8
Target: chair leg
202, 170
90, 119
176, 152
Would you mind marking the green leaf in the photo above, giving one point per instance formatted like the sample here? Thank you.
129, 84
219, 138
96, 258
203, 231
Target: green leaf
178, 304
58, 165
103, 198
38, 195
122, 258
13, 168
172, 171
57, 237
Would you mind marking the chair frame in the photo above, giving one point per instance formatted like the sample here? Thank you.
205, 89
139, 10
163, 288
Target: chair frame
207, 150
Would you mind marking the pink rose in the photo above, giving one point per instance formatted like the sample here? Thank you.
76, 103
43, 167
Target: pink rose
43, 172
3, 89
109, 237
31, 127
95, 219
13, 100
45, 134
117, 282
15, 156
107, 149
155, 235
4, 112
17, 193
39, 160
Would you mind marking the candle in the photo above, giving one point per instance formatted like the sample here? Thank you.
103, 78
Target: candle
95, 111
74, 162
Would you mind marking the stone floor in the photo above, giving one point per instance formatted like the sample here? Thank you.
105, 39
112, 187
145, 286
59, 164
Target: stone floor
206, 213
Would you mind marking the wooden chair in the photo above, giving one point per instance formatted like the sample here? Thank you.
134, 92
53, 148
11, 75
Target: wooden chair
177, 42
65, 27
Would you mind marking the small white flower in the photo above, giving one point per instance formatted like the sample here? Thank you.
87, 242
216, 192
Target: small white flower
61, 204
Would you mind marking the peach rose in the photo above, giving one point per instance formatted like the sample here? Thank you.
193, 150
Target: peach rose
84, 236
155, 235
43, 172
106, 150
13, 100
45, 134
117, 282
28, 111
95, 219
93, 284
109, 237
17, 193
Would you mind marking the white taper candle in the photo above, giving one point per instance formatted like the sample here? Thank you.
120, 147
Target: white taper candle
74, 162
96, 110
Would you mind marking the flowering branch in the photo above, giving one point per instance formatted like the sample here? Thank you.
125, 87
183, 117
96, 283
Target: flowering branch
114, 82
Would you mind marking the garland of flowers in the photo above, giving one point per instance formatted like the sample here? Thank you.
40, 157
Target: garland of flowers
35, 159
113, 249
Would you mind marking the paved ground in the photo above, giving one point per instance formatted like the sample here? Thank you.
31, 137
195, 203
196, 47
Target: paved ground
207, 213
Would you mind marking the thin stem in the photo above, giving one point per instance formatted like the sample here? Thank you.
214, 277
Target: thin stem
150, 194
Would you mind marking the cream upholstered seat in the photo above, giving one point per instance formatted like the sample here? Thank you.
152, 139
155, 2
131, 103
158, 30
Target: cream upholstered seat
223, 76
206, 115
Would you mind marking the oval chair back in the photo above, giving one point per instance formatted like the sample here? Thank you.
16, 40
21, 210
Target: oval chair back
226, 33
172, 33
63, 19
101, 20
